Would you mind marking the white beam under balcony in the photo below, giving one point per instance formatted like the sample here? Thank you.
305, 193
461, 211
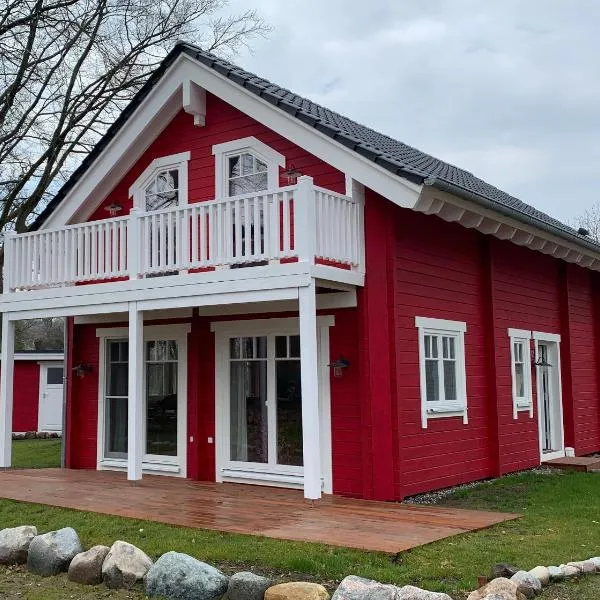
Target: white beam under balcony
135, 401
309, 377
6, 390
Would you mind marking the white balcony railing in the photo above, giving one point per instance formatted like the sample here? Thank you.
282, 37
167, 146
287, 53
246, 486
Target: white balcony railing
304, 222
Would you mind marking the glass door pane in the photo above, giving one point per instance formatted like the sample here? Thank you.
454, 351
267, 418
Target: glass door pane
248, 417
161, 397
115, 411
289, 400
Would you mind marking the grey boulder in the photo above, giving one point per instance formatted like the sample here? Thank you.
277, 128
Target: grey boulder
177, 576
358, 588
14, 544
500, 588
596, 561
569, 571
542, 573
124, 565
556, 573
247, 586
86, 567
410, 592
529, 585
503, 570
51, 553
585, 566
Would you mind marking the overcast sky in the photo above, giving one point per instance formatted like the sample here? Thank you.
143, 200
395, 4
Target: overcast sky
508, 89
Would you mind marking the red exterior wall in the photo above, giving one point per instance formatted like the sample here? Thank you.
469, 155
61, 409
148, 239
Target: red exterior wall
26, 395
416, 265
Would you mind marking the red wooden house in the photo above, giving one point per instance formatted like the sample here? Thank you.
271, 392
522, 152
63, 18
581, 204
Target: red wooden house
260, 290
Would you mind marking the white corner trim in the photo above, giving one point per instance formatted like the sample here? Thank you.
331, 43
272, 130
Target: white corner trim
289, 325
150, 331
545, 337
252, 145
440, 324
523, 334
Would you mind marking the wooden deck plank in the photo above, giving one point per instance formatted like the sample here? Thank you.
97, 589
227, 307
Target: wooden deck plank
234, 508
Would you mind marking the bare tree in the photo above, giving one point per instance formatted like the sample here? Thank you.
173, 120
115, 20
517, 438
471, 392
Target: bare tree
39, 334
67, 68
589, 220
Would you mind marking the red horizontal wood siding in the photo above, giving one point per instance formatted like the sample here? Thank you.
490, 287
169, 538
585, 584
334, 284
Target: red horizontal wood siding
438, 274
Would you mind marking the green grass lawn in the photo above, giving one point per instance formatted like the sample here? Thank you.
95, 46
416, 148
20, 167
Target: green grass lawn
36, 454
561, 522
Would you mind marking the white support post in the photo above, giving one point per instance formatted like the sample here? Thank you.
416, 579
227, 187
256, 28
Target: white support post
6, 390
135, 404
305, 220
133, 243
309, 377
8, 262
358, 193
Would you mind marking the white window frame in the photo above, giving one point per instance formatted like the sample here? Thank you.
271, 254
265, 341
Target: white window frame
152, 464
137, 191
222, 152
443, 408
525, 403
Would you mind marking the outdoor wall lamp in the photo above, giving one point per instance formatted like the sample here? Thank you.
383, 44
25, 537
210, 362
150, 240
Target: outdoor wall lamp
113, 209
539, 361
81, 369
339, 366
292, 175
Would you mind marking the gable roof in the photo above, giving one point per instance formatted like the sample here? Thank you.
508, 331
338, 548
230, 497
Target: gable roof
394, 156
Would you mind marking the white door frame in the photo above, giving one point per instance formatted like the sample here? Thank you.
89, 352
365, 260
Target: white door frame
153, 464
553, 341
287, 476
44, 365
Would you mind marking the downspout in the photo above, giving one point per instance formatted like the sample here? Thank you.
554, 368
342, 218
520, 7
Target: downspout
456, 190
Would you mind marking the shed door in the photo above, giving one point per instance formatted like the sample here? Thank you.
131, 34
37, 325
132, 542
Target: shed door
51, 397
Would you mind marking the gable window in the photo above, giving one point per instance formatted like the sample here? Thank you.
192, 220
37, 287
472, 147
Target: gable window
442, 368
246, 166
163, 184
520, 361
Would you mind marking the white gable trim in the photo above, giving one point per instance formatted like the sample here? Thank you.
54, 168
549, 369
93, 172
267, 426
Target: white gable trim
165, 100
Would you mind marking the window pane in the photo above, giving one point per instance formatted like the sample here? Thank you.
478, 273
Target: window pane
116, 427
281, 346
445, 351
519, 380
248, 184
289, 413
235, 166
434, 346
432, 382
450, 380
248, 411
427, 346
248, 347
261, 347
161, 408
117, 379
260, 166
234, 347
295, 346
452, 347
54, 376
247, 164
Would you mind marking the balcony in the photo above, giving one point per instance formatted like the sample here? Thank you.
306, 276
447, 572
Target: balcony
287, 225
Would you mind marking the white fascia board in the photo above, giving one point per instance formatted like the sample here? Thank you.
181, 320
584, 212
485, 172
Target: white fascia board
145, 124
393, 187
165, 100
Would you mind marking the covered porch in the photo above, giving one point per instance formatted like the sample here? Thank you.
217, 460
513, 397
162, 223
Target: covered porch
253, 510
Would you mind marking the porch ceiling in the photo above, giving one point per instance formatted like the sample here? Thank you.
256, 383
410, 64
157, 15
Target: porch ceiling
270, 512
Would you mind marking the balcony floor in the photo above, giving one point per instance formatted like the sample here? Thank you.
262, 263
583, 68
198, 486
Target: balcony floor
254, 510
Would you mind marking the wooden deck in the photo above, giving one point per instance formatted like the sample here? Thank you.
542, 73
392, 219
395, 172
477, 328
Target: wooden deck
271, 512
587, 464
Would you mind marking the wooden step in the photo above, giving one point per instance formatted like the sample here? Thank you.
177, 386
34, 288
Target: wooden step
586, 464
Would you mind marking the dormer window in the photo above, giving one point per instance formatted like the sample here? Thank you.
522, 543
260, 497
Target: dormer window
163, 183
246, 166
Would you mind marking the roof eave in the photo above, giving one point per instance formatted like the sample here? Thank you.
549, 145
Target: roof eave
456, 190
